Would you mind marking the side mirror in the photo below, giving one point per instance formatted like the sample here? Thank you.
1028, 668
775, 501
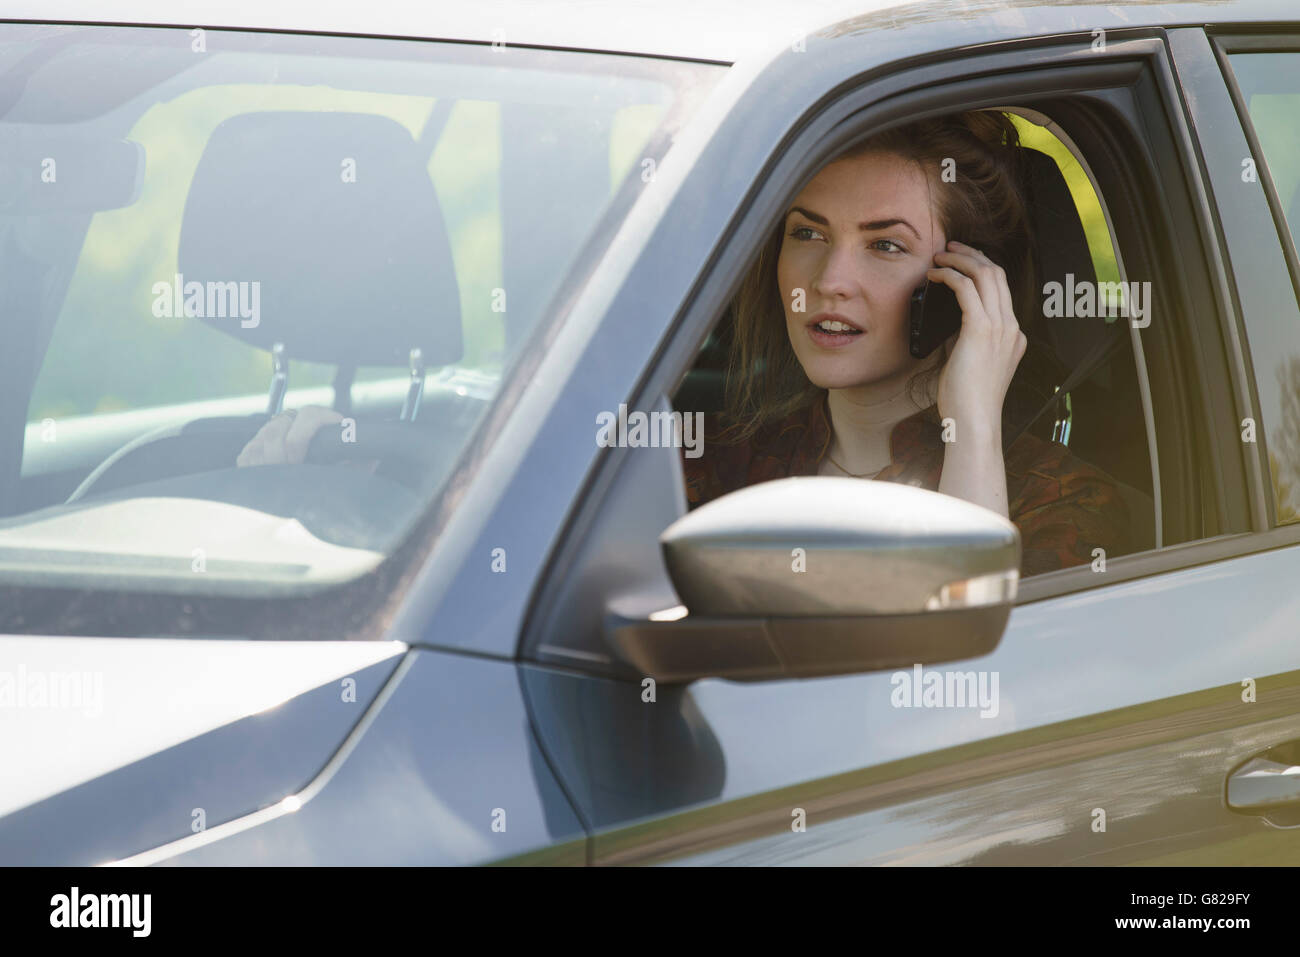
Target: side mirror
812, 576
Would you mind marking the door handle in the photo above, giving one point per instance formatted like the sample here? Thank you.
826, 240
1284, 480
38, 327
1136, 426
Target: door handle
1263, 783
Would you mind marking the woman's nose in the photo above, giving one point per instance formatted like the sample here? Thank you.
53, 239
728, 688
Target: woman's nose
838, 274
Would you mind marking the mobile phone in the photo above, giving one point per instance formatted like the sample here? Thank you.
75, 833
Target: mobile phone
936, 315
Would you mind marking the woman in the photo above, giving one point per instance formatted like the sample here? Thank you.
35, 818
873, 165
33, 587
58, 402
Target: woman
824, 313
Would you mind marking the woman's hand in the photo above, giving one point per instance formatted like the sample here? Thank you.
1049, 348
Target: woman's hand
284, 439
974, 381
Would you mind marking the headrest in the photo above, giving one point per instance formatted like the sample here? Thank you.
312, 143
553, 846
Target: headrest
1060, 247
336, 218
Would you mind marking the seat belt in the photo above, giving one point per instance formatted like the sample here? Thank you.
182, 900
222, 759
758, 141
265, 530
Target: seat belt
1095, 357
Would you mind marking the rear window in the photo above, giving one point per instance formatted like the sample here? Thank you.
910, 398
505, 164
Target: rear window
1270, 87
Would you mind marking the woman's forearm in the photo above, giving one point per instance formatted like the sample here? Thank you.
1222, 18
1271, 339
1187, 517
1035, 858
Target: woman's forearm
973, 469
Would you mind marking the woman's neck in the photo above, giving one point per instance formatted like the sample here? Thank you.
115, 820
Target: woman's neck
862, 420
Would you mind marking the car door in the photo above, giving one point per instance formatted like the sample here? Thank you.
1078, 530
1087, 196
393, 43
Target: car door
1126, 702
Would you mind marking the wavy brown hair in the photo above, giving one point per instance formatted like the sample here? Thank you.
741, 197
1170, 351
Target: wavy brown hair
984, 208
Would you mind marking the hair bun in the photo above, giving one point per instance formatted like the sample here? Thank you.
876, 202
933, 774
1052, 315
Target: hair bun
993, 128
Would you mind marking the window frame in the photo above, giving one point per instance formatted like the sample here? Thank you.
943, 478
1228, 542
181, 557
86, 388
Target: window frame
1222, 45
985, 79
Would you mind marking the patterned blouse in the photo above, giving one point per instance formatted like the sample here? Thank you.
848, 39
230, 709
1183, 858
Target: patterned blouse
1063, 506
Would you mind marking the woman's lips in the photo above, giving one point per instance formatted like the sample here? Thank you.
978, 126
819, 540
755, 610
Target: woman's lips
832, 340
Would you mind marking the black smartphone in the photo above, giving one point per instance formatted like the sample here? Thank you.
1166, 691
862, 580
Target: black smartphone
935, 316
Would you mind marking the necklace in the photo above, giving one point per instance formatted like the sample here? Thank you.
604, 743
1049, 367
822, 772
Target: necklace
852, 474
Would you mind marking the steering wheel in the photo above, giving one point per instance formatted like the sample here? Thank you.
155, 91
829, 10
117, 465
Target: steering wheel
404, 454
215, 443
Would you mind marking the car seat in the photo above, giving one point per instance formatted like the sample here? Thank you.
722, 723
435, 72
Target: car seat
335, 216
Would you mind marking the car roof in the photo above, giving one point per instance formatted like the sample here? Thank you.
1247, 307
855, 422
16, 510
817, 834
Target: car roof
719, 30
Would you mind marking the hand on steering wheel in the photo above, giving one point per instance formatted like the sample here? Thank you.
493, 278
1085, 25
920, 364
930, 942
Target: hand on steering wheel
284, 439
387, 449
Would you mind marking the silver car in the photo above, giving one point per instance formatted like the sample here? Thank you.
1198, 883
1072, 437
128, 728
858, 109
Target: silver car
467, 630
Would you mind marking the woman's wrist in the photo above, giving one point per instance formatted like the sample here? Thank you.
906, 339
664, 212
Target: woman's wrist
973, 467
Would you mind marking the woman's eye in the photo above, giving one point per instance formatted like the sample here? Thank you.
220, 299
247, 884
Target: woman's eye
807, 233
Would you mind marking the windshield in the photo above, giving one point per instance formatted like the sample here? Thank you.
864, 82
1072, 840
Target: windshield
201, 229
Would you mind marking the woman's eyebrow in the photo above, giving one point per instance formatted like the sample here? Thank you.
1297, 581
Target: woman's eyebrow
864, 227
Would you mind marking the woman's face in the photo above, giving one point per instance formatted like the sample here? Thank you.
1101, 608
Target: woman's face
858, 240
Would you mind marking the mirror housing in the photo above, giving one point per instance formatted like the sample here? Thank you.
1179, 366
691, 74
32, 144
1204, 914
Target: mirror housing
815, 575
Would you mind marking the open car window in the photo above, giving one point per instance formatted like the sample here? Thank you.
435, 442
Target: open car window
1074, 252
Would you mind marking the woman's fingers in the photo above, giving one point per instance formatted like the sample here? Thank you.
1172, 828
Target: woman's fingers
991, 281
995, 272
285, 438
309, 420
262, 448
982, 271
973, 313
